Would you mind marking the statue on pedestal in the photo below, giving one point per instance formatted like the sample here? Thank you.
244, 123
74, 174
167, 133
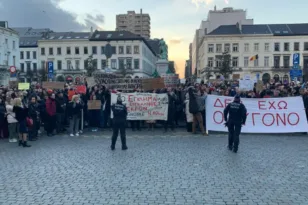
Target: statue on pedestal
163, 50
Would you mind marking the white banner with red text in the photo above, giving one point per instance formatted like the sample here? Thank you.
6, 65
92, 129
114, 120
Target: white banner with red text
265, 115
143, 106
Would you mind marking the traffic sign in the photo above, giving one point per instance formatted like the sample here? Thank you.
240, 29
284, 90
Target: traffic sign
295, 74
12, 69
296, 67
50, 67
296, 58
50, 75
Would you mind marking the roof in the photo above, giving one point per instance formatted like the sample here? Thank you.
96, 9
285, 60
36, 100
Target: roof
119, 36
31, 32
263, 29
25, 42
66, 36
154, 45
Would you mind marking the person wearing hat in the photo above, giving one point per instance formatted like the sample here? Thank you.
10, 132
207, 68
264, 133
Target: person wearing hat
235, 116
119, 120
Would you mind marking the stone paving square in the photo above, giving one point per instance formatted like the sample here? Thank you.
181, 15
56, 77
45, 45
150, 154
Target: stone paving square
174, 168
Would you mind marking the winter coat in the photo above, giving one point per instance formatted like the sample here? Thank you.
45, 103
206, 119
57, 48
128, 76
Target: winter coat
74, 111
60, 105
51, 107
189, 116
11, 117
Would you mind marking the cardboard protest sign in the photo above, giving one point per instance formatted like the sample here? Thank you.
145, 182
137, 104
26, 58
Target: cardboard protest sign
266, 115
53, 85
94, 105
23, 86
171, 80
144, 106
153, 83
246, 85
13, 84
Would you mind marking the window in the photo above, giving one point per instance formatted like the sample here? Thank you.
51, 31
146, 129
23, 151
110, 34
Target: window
113, 63
104, 64
68, 50
6, 41
235, 47
34, 54
256, 47
128, 50
296, 46
103, 50
211, 48
42, 51
69, 64
256, 62
276, 61
28, 64
246, 61
121, 50
210, 62
286, 46
246, 47
114, 50
306, 46
218, 48
85, 50
121, 64
50, 51
22, 67
28, 54
276, 46
136, 49
136, 63
218, 63
59, 65
129, 63
227, 47
59, 51
77, 64
286, 61
235, 61
35, 67
266, 61
21, 55
14, 46
43, 65
77, 50
94, 50
266, 46
14, 60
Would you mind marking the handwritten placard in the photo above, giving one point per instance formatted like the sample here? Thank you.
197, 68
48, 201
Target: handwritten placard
23, 86
94, 105
153, 83
53, 85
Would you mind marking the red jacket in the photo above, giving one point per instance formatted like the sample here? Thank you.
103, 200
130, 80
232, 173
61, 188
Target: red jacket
51, 107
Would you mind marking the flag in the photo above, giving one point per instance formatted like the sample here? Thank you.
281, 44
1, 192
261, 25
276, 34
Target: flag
253, 58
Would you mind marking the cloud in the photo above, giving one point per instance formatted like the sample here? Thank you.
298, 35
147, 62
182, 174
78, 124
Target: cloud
45, 14
201, 2
175, 41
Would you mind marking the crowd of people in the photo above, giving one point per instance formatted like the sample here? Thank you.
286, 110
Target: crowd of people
25, 115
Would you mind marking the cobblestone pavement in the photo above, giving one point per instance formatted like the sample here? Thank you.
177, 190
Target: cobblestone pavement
173, 168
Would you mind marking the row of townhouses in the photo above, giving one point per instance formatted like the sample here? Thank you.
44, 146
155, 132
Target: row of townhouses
229, 30
30, 49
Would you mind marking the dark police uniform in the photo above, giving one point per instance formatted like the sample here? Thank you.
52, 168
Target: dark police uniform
119, 121
237, 117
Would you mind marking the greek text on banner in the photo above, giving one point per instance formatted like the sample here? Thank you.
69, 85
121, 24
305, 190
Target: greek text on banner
268, 115
144, 106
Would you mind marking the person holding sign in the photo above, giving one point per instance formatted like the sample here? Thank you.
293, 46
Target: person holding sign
119, 120
235, 116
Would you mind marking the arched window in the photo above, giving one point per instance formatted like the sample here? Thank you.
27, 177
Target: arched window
276, 78
266, 78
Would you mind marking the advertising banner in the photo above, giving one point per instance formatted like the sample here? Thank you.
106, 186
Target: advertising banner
266, 115
144, 106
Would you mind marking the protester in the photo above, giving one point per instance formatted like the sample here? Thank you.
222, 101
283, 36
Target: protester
195, 109
74, 114
51, 114
12, 122
60, 112
34, 115
189, 116
3, 120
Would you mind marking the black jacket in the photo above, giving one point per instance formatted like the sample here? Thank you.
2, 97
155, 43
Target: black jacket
74, 111
20, 113
60, 102
33, 110
237, 113
119, 112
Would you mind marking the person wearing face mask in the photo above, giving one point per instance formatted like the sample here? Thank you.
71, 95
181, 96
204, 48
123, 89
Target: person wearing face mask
74, 114
51, 114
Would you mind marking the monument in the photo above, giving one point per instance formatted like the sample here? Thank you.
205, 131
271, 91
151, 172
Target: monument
162, 64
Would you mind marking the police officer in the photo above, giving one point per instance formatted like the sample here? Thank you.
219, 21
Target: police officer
119, 120
237, 117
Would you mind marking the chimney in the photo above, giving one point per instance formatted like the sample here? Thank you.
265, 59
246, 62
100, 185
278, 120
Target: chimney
215, 8
91, 31
239, 25
140, 11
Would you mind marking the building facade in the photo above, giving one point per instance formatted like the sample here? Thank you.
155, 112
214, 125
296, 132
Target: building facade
29, 59
9, 52
139, 24
274, 44
215, 18
132, 54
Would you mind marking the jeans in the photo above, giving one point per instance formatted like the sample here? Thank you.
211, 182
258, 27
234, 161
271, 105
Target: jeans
74, 124
51, 123
13, 131
234, 135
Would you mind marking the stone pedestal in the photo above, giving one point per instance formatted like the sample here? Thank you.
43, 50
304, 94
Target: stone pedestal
162, 66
